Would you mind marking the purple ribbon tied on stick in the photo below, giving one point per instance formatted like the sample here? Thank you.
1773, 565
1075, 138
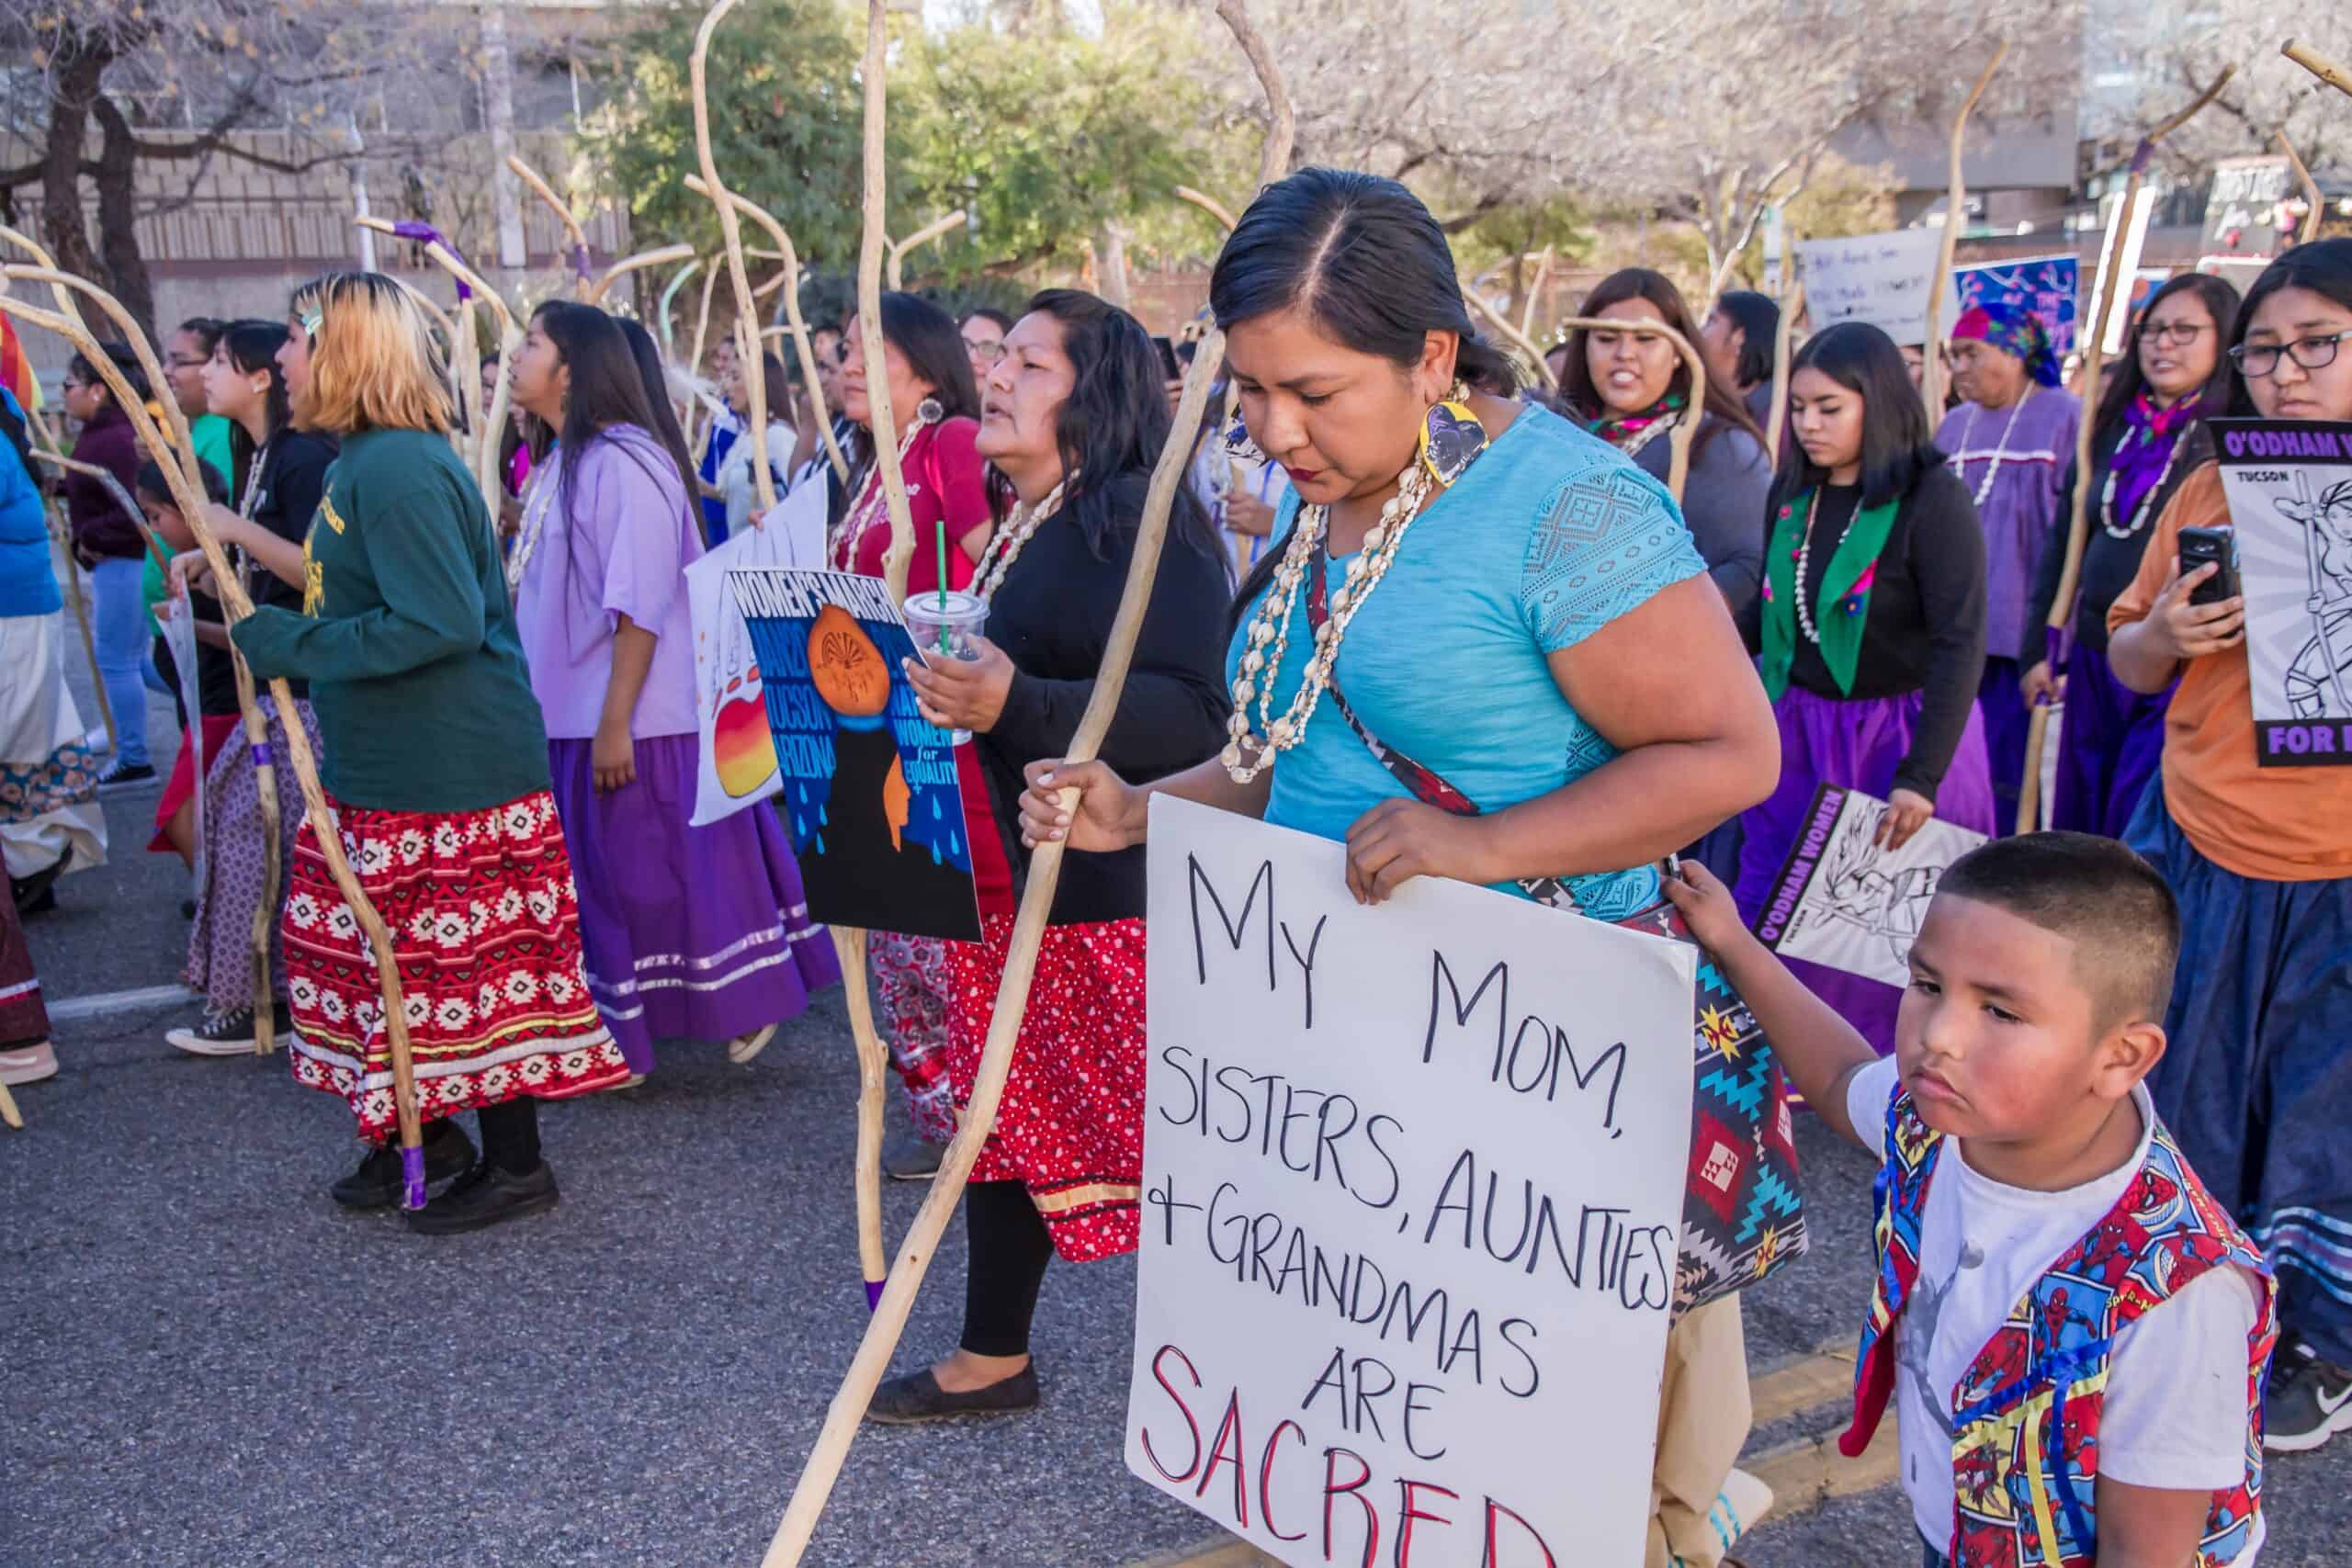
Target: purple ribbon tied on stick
426, 234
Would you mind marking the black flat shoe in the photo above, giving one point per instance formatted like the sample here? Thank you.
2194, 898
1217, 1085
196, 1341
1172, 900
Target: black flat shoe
484, 1197
912, 1159
376, 1183
916, 1398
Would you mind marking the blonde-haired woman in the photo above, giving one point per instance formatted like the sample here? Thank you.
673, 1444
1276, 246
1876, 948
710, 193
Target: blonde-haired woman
437, 767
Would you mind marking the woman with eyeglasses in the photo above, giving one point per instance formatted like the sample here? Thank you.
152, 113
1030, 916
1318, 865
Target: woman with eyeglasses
2148, 438
2260, 1069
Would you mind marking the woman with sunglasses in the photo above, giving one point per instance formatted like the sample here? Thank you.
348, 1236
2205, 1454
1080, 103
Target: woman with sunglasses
2148, 438
2260, 1069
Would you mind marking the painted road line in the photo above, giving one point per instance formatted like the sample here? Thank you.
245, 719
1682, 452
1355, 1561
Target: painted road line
73, 1009
1803, 1475
1793, 1387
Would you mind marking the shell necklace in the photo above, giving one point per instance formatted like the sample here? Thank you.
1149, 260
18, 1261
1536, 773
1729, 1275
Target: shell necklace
873, 501
2139, 510
1247, 755
539, 500
2000, 451
1804, 561
1005, 545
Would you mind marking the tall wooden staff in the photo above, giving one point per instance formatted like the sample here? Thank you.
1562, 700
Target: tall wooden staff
849, 942
669, 296
916, 240
582, 281
1776, 422
922, 1242
660, 257
788, 279
176, 457
2106, 310
2318, 64
2314, 205
1931, 379
1685, 431
481, 457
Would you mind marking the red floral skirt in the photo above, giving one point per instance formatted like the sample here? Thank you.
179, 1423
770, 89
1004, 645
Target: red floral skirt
1071, 1124
485, 932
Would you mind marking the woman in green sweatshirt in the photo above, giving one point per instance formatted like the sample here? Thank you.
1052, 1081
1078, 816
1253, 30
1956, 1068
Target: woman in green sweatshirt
436, 768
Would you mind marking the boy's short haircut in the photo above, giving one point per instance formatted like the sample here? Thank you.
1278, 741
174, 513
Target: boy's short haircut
2114, 907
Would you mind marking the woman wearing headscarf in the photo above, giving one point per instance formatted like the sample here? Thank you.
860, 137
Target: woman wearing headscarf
2009, 441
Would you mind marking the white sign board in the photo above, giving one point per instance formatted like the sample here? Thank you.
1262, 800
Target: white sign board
1880, 278
735, 754
2290, 486
1413, 1181
1844, 901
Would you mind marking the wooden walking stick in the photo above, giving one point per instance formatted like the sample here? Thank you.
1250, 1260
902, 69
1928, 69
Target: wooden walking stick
659, 257
482, 459
2314, 205
1210, 205
669, 298
2106, 310
922, 1242
788, 279
580, 281
2318, 64
176, 459
1931, 379
1535, 298
1776, 422
916, 240
849, 942
248, 707
8, 1112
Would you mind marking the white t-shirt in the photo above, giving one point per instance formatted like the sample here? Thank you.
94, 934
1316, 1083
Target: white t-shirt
2174, 1415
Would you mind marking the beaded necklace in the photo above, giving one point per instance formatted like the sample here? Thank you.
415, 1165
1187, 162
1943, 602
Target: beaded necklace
1247, 755
539, 500
246, 503
1632, 444
1968, 428
873, 502
1805, 558
1005, 545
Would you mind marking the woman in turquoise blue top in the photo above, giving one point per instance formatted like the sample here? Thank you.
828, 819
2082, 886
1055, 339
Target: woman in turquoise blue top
1532, 683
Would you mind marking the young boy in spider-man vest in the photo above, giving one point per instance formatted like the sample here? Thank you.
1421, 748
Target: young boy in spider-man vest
2073, 1335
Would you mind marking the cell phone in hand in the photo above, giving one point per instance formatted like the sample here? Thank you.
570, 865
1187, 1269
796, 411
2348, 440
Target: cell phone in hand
2218, 546
1169, 370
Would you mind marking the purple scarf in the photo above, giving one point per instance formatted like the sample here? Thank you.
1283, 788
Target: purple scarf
2149, 437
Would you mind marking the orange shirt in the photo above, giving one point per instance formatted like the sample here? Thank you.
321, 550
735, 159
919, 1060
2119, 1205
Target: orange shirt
2275, 823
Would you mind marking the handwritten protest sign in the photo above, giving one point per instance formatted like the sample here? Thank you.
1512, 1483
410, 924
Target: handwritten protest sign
1880, 278
1412, 1181
2290, 484
870, 792
1845, 903
2047, 285
735, 757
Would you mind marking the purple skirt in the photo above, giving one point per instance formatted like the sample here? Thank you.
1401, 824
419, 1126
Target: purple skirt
2009, 724
1857, 745
2109, 747
690, 933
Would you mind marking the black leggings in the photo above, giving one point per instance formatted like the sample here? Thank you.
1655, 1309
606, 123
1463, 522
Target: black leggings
510, 1134
1010, 1251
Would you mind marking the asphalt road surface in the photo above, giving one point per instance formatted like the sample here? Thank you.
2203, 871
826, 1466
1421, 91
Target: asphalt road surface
207, 1363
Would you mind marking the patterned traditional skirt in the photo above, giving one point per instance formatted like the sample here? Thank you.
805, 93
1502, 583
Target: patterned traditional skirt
1071, 1124
23, 1018
485, 931
220, 944
911, 1012
49, 778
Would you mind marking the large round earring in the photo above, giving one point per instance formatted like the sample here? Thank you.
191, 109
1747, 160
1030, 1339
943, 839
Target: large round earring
931, 410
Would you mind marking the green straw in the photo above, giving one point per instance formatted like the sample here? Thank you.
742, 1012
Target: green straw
939, 538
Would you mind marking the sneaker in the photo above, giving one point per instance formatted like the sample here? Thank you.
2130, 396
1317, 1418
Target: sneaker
744, 1047
229, 1036
125, 775
484, 1197
376, 1183
27, 1064
911, 1158
916, 1398
2310, 1401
